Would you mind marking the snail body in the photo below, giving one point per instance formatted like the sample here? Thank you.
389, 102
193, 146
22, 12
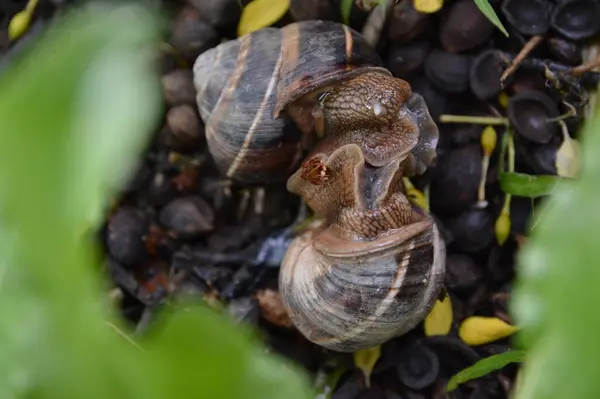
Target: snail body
261, 96
374, 268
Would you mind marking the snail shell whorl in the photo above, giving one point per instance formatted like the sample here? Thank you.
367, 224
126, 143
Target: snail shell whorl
236, 86
346, 299
243, 86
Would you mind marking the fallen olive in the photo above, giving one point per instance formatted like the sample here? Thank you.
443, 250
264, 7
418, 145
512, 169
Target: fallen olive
448, 71
187, 216
462, 273
436, 100
418, 367
529, 17
192, 35
529, 112
473, 230
222, 14
484, 77
565, 50
125, 236
406, 61
455, 180
178, 87
577, 19
465, 27
405, 22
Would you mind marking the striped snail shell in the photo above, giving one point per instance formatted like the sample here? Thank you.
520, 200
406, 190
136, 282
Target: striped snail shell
263, 95
374, 269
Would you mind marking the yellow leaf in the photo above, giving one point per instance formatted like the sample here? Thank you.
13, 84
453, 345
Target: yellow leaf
567, 156
428, 6
477, 330
260, 14
365, 360
439, 320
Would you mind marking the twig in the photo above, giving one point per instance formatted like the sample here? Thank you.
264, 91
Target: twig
474, 120
525, 51
588, 78
585, 67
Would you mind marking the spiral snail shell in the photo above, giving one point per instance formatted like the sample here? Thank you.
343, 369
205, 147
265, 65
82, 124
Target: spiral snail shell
260, 97
374, 268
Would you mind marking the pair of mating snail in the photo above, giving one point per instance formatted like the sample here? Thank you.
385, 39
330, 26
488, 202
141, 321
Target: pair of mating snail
375, 268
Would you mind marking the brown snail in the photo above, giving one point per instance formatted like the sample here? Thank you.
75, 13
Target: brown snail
376, 266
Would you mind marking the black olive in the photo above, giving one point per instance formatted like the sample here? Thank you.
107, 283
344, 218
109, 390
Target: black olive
159, 190
462, 273
348, 389
405, 22
304, 10
528, 113
465, 27
577, 19
192, 35
125, 236
435, 99
540, 158
565, 50
500, 264
418, 367
484, 77
222, 14
473, 230
184, 130
406, 61
188, 216
448, 71
178, 87
454, 354
371, 393
529, 17
455, 180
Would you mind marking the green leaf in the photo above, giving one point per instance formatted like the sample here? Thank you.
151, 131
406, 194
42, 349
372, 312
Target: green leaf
554, 298
346, 8
487, 10
532, 186
485, 366
77, 111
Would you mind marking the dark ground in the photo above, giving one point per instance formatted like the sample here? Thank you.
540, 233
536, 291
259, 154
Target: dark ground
179, 228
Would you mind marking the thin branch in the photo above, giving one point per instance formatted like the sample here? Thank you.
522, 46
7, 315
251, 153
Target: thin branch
525, 51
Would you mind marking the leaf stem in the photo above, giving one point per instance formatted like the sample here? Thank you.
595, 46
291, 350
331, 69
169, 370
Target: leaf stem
474, 120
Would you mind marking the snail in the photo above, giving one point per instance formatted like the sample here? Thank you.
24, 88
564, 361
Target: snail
375, 267
260, 97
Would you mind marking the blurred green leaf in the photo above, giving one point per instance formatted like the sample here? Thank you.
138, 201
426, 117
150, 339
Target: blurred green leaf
485, 366
486, 8
77, 111
531, 186
346, 8
555, 294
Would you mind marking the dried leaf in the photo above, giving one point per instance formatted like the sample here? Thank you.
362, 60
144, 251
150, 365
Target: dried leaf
260, 14
428, 6
439, 320
477, 330
365, 360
